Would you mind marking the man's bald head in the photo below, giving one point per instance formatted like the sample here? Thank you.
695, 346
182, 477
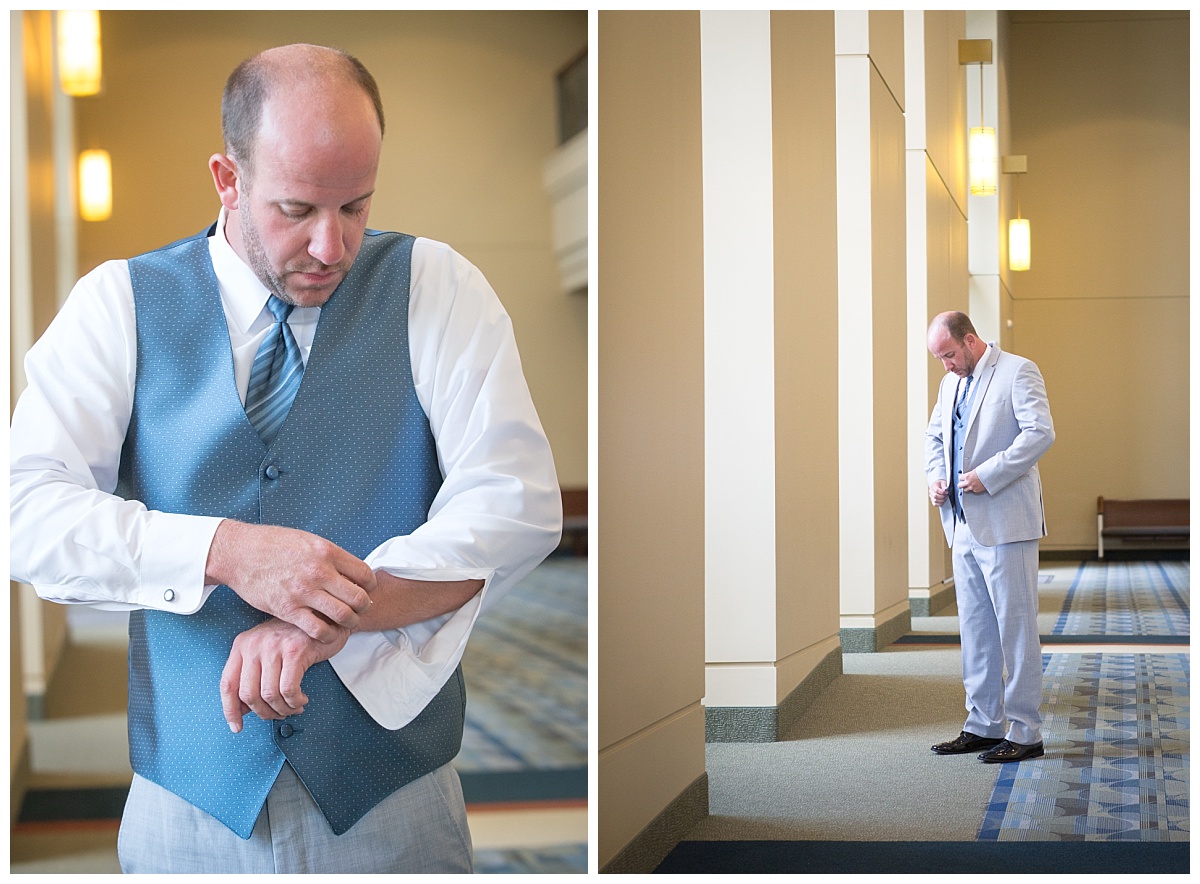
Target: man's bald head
314, 74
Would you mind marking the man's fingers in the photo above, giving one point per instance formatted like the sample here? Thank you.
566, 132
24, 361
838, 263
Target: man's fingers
289, 685
231, 705
316, 627
360, 582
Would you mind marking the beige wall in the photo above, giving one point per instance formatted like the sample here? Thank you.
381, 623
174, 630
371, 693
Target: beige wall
806, 384
1100, 105
471, 114
651, 432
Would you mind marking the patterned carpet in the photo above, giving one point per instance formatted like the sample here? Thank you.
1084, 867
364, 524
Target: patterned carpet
1128, 598
538, 720
526, 736
1117, 725
1117, 747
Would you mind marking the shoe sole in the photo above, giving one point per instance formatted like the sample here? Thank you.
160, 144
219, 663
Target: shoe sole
976, 748
1037, 754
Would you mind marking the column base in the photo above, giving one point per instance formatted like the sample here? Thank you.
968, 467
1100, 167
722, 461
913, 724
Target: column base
767, 724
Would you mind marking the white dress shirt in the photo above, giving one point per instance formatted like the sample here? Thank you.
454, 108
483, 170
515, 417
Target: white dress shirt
497, 515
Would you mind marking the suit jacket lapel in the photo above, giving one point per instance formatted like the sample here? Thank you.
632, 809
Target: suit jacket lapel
982, 383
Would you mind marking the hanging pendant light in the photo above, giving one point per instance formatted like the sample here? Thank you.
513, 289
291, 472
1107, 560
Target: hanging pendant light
95, 185
982, 149
79, 51
1018, 228
981, 160
1018, 244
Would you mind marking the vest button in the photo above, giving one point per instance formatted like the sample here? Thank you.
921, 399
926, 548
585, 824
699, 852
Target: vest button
272, 472
285, 730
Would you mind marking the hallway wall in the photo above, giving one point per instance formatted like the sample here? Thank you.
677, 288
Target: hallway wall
1100, 105
650, 435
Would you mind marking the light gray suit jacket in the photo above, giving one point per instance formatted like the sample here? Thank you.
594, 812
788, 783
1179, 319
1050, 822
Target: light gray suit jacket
1008, 431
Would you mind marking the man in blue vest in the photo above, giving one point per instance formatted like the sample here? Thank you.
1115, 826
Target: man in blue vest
303, 455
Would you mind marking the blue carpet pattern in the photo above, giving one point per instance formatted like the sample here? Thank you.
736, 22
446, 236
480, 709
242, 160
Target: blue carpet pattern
526, 726
1116, 724
568, 859
1128, 598
526, 674
1117, 747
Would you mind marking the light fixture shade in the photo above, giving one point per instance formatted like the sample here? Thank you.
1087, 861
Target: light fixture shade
95, 185
1018, 244
79, 51
982, 160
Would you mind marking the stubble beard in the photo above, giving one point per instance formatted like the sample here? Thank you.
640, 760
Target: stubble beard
257, 256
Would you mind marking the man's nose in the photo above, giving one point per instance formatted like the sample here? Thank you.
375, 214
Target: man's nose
326, 244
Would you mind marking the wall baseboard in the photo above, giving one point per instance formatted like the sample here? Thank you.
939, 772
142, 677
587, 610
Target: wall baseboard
767, 724
925, 607
870, 640
22, 770
651, 846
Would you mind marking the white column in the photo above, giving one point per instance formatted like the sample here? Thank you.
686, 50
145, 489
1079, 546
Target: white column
915, 138
739, 396
872, 316
856, 389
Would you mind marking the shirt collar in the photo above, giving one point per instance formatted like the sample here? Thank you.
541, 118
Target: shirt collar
242, 292
983, 361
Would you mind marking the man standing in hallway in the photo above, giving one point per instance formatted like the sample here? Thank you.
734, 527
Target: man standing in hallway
990, 426
303, 454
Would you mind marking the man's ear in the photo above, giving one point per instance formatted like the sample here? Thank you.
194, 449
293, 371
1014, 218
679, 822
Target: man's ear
227, 178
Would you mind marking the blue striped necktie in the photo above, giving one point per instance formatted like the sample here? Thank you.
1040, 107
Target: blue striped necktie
275, 376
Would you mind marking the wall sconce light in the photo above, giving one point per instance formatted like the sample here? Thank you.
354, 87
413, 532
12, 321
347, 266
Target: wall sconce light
982, 151
95, 185
1018, 228
79, 51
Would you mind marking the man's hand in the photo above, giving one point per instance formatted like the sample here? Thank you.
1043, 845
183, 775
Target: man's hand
937, 492
296, 576
265, 668
970, 482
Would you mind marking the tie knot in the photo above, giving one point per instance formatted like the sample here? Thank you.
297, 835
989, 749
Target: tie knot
278, 308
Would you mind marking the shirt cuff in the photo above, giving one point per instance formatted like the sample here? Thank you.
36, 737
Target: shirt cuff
173, 558
394, 674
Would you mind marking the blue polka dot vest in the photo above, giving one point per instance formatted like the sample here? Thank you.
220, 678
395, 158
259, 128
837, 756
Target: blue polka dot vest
354, 462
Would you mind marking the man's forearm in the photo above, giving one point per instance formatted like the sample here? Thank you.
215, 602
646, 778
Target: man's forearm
399, 601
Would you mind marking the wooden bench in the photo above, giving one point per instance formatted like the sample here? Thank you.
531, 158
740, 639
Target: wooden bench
575, 519
1141, 520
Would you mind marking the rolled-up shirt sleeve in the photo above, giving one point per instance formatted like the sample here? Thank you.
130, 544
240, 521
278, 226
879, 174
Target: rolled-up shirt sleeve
70, 536
499, 510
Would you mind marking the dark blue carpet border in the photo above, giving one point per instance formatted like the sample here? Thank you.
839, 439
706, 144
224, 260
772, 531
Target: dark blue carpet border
57, 805
927, 857
948, 639
529, 784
